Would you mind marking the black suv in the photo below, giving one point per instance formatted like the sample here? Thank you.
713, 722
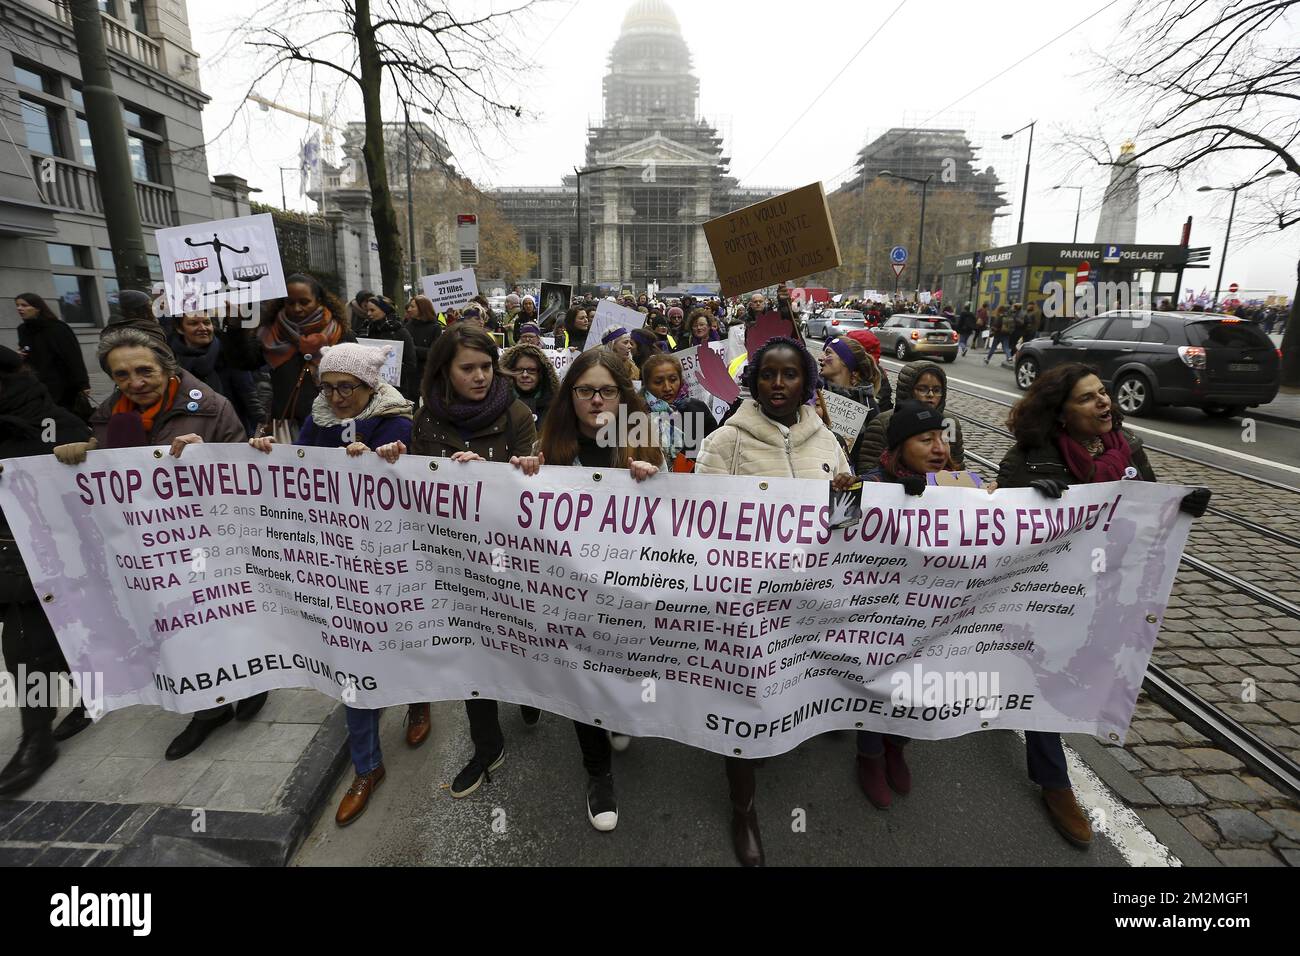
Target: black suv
1219, 363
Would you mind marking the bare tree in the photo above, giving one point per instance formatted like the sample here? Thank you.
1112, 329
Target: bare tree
1217, 83
434, 60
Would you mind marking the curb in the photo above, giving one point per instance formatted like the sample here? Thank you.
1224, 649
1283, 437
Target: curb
85, 833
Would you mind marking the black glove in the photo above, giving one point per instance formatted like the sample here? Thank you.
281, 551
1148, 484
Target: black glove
1195, 502
913, 485
1051, 487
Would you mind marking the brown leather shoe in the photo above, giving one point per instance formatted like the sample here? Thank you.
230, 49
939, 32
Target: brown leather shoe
745, 836
354, 802
1067, 816
417, 724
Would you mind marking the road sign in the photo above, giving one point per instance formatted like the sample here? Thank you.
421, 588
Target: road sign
1081, 274
1111, 254
467, 238
898, 256
1233, 288
898, 269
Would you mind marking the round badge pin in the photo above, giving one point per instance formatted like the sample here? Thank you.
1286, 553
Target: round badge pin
195, 394
1130, 472
192, 406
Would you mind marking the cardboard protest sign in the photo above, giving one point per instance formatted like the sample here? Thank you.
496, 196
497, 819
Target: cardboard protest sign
847, 416
609, 315
553, 301
392, 370
450, 290
208, 264
771, 241
698, 389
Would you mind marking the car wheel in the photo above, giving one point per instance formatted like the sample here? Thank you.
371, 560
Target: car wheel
1026, 372
950, 358
1133, 394
900, 350
1224, 411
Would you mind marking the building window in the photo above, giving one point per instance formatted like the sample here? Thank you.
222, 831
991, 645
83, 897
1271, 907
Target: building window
83, 141
42, 126
63, 255
31, 79
130, 12
75, 295
144, 159
106, 260
155, 267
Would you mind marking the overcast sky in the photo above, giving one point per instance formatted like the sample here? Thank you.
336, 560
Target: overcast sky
763, 63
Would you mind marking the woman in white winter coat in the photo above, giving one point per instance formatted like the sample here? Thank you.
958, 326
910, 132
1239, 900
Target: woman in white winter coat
774, 434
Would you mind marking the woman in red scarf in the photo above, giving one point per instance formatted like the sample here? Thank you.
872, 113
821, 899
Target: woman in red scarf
289, 339
1068, 433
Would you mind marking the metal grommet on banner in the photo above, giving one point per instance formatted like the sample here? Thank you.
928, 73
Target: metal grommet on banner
984, 724
48, 598
596, 721
1114, 736
736, 751
826, 467
762, 486
1151, 618
433, 466
301, 453
157, 452
473, 693
221, 700
596, 477
858, 725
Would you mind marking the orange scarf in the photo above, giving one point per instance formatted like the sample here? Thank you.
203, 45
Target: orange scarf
147, 416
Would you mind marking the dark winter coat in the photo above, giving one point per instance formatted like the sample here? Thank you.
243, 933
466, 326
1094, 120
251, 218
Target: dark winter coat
874, 442
513, 433
863, 395
25, 405
245, 352
423, 334
210, 367
1020, 467
214, 420
394, 331
51, 350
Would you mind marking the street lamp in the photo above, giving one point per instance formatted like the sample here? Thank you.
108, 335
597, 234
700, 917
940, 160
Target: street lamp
1232, 211
1024, 196
920, 245
1077, 206
284, 203
410, 198
582, 245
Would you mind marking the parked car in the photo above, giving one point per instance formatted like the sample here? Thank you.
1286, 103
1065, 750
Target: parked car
907, 336
1219, 363
832, 322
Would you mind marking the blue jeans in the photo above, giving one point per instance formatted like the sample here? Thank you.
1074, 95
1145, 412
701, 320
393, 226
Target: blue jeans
1046, 758
993, 346
363, 739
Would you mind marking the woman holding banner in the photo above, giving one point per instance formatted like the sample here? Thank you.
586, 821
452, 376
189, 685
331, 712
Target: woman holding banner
357, 410
289, 339
470, 413
774, 434
156, 402
1068, 432
591, 396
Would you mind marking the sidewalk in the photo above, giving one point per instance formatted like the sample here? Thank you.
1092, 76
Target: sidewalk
1283, 410
246, 797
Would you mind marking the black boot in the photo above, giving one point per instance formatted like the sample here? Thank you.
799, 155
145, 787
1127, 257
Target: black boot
192, 737
73, 724
35, 754
744, 817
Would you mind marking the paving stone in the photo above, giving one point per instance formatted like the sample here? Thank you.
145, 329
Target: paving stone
1268, 672
1188, 675
1147, 709
1248, 713
1277, 655
1209, 758
1237, 656
1226, 674
1215, 693
1164, 758
1247, 858
1262, 787
1218, 639
1126, 759
1199, 827
1292, 857
1158, 732
1174, 791
1288, 710
1241, 826
1251, 624
1226, 787
1279, 736
1191, 734
1286, 822
1198, 656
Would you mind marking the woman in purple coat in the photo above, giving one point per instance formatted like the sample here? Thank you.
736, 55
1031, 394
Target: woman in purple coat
357, 410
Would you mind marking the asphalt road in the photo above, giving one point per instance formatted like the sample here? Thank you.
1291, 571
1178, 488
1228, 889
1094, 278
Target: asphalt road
971, 805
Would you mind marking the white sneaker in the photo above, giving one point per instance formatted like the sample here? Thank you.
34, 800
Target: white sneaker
602, 808
619, 742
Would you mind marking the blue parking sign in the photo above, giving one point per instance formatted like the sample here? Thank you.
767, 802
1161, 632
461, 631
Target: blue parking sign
1111, 254
898, 255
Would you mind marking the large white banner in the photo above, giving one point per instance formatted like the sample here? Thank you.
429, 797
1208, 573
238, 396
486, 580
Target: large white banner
207, 264
715, 611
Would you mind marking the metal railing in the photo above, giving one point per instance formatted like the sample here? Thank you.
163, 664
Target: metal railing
69, 185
